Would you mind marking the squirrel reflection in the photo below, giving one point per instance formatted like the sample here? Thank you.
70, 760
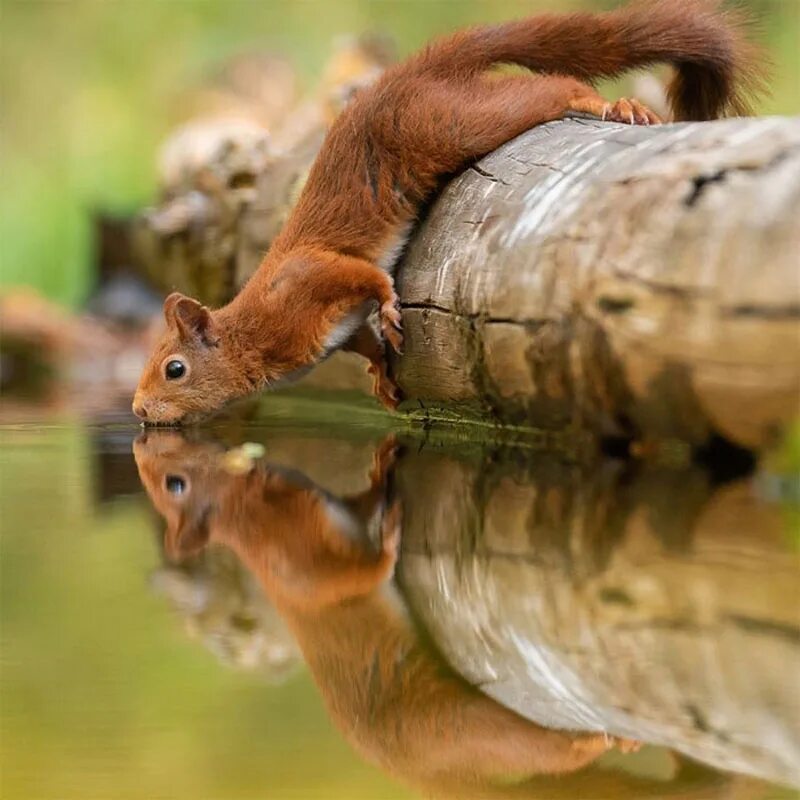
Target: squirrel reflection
326, 563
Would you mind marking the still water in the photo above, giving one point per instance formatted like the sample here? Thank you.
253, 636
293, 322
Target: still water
328, 612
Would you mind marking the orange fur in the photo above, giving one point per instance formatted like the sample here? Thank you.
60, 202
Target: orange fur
393, 698
385, 156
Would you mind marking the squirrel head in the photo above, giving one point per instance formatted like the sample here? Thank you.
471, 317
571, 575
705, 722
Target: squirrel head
183, 481
194, 370
207, 493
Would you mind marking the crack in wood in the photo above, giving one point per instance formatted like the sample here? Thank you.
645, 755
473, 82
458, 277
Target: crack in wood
488, 175
475, 315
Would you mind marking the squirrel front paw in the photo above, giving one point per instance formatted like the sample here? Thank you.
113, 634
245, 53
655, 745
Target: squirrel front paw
391, 327
391, 529
383, 460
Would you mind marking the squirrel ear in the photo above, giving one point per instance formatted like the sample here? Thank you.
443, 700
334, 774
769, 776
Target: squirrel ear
191, 318
169, 307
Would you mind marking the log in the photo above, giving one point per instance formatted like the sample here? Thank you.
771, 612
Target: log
634, 282
648, 603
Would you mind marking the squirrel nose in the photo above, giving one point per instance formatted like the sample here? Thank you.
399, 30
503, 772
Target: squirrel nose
140, 410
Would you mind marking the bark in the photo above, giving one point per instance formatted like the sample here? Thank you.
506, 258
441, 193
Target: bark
626, 281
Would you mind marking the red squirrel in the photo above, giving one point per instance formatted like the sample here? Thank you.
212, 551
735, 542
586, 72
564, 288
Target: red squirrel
383, 158
326, 564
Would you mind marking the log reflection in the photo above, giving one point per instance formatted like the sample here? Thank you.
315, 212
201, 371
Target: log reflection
648, 603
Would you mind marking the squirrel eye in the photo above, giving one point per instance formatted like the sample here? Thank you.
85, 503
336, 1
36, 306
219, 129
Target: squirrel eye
175, 484
174, 369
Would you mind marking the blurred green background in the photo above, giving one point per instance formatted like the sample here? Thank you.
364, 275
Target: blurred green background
87, 88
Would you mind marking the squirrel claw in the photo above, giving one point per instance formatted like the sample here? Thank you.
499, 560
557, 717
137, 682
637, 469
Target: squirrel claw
627, 745
630, 111
627, 110
391, 326
599, 743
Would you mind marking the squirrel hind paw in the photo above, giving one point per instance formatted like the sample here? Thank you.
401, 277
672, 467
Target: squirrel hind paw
630, 111
627, 745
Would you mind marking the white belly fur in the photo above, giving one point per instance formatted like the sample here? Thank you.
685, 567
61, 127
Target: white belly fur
353, 321
394, 249
346, 327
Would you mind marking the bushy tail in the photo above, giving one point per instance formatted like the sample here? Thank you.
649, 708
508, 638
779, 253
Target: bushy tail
716, 67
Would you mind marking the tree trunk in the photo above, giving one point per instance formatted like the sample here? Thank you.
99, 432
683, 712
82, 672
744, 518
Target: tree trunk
627, 281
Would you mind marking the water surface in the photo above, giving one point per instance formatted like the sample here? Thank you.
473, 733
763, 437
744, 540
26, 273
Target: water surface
350, 616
